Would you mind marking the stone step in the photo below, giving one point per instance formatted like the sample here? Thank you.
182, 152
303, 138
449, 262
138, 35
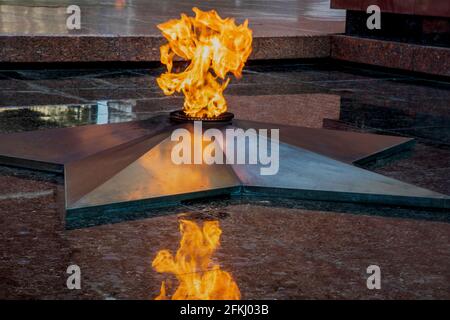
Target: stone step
111, 48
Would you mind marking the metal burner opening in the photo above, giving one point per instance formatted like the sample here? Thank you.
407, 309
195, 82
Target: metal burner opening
179, 116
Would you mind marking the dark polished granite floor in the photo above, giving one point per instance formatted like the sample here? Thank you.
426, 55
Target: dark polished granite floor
140, 17
275, 249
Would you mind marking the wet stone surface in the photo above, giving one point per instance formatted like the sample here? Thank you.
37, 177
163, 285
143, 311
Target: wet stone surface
140, 17
275, 249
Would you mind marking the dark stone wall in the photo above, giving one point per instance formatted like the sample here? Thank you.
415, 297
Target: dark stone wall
425, 30
435, 8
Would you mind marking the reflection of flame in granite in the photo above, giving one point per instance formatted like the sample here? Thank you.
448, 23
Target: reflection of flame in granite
198, 276
214, 47
120, 4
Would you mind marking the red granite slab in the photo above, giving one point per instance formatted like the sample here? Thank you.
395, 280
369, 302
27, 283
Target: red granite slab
302, 254
435, 25
346, 4
393, 6
432, 60
375, 52
101, 48
33, 33
396, 55
439, 8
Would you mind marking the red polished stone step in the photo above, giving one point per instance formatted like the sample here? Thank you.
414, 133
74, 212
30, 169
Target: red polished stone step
392, 54
438, 8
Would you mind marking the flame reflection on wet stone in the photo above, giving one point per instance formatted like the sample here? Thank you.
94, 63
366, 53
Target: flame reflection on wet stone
199, 277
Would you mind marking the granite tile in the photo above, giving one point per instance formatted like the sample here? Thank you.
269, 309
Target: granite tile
138, 48
346, 4
140, 17
306, 110
15, 182
432, 8
95, 48
302, 245
13, 84
435, 26
290, 47
52, 48
109, 33
11, 98
389, 54
102, 48
301, 254
426, 166
32, 244
267, 89
432, 60
61, 84
393, 6
418, 7
99, 94
163, 104
375, 52
126, 79
56, 73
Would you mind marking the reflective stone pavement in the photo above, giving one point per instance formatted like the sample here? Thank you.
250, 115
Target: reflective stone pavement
275, 249
139, 17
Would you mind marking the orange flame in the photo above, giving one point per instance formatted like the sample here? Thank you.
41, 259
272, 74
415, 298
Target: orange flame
198, 276
210, 43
